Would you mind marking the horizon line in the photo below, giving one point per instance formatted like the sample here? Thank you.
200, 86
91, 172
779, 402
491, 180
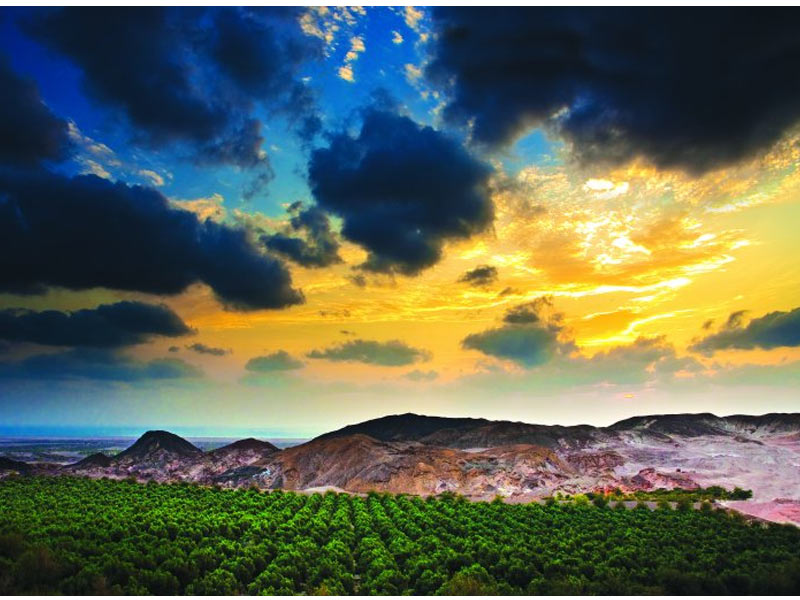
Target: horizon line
205, 432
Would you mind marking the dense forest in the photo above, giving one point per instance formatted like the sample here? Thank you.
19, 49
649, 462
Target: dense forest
80, 536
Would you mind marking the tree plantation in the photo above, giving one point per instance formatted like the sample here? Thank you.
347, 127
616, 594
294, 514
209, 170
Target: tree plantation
81, 536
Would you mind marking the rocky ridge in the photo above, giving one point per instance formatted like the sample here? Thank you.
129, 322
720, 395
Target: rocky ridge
481, 459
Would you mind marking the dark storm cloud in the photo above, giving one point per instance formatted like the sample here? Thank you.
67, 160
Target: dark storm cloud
694, 88
480, 276
95, 364
190, 76
401, 190
256, 51
529, 337
203, 349
773, 330
29, 131
393, 353
260, 50
318, 248
107, 326
86, 232
277, 361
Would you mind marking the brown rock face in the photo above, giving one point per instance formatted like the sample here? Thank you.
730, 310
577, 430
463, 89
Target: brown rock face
588, 462
360, 463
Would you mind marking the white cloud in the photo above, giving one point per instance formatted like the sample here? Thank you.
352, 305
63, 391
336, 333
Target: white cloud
396, 37
413, 16
357, 44
152, 177
603, 189
205, 208
356, 47
413, 74
100, 157
346, 73
92, 167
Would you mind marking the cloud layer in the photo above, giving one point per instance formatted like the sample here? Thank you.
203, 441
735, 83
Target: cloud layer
319, 247
86, 232
29, 131
480, 276
694, 89
188, 77
773, 330
95, 364
277, 361
530, 336
107, 326
393, 353
205, 349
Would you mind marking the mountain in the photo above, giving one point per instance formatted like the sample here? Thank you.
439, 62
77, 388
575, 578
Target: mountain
405, 427
690, 425
97, 460
15, 466
9, 466
771, 423
157, 443
164, 456
245, 445
466, 432
505, 433
157, 455
361, 463
480, 459
227, 463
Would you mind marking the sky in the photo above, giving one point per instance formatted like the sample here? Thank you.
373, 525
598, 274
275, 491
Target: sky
278, 221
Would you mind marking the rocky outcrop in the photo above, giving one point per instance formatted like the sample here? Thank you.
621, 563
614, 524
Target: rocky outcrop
594, 461
359, 463
650, 479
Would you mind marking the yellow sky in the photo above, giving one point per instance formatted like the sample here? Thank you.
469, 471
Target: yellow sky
628, 253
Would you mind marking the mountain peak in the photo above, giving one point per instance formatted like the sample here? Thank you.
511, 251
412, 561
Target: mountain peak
248, 444
98, 459
153, 441
406, 426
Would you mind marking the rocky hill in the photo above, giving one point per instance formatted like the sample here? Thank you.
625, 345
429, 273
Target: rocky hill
154, 444
13, 466
480, 459
406, 427
97, 460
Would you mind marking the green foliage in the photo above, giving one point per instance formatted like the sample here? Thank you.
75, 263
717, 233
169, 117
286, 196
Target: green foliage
740, 494
714, 492
79, 536
470, 581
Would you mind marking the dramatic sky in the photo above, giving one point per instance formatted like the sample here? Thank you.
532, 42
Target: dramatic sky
278, 221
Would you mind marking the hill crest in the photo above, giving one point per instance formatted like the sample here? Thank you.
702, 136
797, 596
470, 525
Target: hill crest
158, 440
